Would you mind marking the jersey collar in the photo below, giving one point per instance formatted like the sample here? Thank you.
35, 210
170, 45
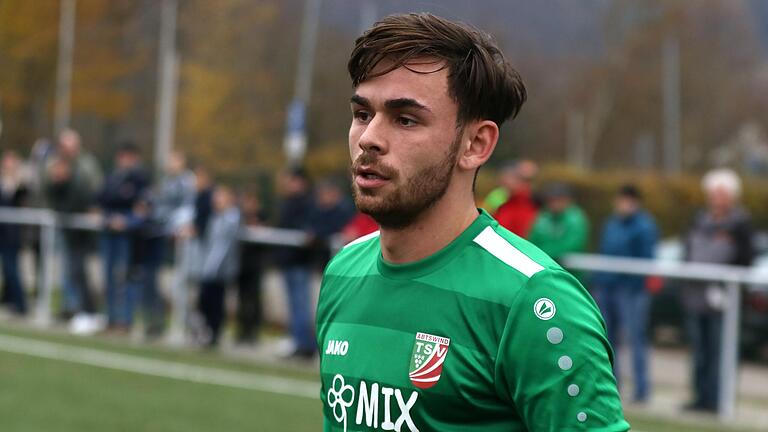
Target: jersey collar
437, 260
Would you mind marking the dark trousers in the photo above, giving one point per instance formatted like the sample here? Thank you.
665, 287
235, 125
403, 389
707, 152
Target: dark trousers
77, 294
625, 310
146, 261
13, 292
120, 295
705, 331
297, 281
211, 306
249, 297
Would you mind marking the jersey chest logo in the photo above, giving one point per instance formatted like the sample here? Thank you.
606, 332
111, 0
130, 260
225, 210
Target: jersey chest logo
429, 352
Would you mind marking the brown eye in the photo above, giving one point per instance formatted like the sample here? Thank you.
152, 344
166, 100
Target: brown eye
406, 121
362, 116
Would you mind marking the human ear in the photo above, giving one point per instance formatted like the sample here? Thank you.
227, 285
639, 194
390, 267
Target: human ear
478, 144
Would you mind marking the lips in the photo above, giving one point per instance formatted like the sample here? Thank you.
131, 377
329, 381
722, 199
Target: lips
369, 177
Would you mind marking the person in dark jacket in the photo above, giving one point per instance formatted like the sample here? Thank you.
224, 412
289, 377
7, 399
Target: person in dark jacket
623, 299
249, 305
332, 212
296, 209
720, 234
219, 260
71, 182
203, 200
117, 199
13, 193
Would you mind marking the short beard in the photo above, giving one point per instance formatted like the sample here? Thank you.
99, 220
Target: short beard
403, 206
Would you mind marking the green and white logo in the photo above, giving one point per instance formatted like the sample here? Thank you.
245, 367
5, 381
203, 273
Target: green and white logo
544, 308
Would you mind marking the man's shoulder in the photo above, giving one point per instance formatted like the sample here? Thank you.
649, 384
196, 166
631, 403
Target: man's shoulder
506, 263
511, 253
354, 254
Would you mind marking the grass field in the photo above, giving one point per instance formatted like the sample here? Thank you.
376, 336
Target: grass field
55, 382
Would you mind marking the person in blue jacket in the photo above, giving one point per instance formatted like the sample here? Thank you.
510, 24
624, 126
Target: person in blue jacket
117, 199
623, 299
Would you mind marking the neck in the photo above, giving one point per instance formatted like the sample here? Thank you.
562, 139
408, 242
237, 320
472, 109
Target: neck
433, 230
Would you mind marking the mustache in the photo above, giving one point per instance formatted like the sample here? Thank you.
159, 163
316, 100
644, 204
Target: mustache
371, 160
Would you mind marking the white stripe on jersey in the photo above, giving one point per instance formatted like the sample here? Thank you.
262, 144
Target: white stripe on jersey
492, 242
363, 238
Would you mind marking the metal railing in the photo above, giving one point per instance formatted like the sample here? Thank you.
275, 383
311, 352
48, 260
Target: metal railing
734, 278
49, 222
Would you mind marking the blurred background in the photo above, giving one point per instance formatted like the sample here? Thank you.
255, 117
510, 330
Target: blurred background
139, 135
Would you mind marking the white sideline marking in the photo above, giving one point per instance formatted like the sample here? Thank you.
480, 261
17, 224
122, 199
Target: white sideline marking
159, 368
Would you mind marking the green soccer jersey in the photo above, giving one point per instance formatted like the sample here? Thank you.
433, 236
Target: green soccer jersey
488, 334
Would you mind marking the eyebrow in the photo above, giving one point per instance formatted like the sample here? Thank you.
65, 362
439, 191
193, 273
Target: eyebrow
392, 104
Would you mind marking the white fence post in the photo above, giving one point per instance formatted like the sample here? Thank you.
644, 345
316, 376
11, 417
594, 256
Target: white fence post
729, 354
43, 312
177, 334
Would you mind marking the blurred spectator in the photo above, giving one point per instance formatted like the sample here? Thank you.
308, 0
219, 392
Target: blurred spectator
219, 260
722, 234
39, 157
117, 200
13, 193
251, 270
518, 211
174, 199
360, 225
561, 228
72, 180
203, 200
623, 299
168, 208
332, 211
295, 210
511, 172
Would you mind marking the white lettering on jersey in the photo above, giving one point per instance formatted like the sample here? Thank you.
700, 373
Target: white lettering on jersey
369, 397
337, 348
370, 405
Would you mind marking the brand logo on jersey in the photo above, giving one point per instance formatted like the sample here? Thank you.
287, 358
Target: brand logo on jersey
337, 347
341, 396
427, 360
544, 309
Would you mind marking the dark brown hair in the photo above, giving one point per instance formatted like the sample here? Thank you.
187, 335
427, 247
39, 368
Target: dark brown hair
480, 80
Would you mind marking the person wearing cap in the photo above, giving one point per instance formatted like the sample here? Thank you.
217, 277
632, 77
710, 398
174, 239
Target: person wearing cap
119, 195
623, 299
295, 210
561, 227
720, 234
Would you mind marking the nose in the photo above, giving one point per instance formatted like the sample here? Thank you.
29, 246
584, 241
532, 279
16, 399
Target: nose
373, 139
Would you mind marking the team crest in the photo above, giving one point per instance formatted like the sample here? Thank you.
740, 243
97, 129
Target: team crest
427, 360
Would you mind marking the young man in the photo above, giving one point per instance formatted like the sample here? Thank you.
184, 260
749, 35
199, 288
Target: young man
444, 321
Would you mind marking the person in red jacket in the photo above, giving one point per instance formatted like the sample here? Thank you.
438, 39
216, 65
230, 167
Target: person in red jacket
519, 211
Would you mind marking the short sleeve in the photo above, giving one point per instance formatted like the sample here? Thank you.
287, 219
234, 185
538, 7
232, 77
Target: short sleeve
554, 364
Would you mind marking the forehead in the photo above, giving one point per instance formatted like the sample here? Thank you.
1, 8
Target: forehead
422, 80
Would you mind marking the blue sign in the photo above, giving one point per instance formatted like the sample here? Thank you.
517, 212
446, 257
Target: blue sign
297, 114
